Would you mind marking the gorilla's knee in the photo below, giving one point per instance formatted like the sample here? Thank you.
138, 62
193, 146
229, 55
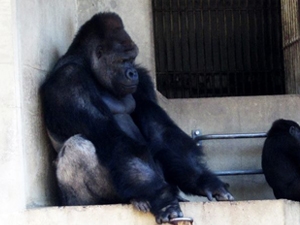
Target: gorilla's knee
81, 178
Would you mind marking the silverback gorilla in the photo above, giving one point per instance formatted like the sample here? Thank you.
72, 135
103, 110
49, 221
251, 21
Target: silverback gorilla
114, 143
281, 159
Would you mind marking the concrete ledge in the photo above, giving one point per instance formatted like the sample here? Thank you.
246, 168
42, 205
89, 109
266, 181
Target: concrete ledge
266, 212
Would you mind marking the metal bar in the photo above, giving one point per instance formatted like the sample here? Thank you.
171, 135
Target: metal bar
238, 172
198, 137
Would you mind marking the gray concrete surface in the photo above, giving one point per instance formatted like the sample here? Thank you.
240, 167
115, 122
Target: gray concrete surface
267, 212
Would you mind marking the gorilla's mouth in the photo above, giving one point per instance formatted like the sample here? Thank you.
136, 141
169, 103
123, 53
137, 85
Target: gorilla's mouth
129, 88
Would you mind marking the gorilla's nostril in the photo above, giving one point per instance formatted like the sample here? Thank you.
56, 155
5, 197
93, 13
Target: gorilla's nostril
131, 74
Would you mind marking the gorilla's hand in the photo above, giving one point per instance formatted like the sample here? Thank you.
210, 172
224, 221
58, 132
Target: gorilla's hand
220, 194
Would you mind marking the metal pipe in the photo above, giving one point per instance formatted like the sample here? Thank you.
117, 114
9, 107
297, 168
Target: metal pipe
238, 172
229, 136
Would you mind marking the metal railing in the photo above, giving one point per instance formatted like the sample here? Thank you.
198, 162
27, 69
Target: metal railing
198, 137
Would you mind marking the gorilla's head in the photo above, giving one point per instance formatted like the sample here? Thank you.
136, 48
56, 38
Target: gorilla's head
110, 52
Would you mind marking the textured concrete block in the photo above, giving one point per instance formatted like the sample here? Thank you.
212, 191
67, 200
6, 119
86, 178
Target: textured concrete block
275, 212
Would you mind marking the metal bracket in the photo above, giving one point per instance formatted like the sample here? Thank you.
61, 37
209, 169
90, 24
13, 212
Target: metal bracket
195, 135
182, 221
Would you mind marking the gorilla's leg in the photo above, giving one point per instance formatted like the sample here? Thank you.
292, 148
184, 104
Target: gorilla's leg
82, 180
148, 189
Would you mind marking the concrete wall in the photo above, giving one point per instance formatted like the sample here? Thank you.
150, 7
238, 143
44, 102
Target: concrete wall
45, 29
291, 44
11, 156
33, 34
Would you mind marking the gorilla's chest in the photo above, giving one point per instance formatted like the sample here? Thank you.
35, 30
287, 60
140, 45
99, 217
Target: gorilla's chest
121, 108
124, 105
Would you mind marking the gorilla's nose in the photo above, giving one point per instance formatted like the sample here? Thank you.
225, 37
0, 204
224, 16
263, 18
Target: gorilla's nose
132, 74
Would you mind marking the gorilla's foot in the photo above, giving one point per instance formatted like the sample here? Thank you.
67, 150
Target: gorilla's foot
141, 205
169, 212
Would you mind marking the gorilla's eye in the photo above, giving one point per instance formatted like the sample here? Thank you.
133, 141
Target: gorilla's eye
125, 60
128, 60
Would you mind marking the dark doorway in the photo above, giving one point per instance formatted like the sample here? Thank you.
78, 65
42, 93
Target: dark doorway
215, 48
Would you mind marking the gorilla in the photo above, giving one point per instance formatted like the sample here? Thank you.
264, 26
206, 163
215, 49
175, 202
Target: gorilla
281, 159
115, 144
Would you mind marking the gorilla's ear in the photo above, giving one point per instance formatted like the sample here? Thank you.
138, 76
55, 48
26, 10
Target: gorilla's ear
99, 51
293, 130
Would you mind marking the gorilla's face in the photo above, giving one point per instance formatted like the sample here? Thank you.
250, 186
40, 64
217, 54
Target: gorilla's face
113, 59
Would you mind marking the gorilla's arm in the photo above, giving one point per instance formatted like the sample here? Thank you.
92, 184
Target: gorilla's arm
157, 127
171, 146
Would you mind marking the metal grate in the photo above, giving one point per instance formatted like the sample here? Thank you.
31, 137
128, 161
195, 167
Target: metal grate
214, 48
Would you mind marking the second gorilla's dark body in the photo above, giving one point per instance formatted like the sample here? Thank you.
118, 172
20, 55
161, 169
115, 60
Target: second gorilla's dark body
115, 143
281, 159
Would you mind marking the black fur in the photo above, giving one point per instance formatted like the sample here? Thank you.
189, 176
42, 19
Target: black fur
281, 159
92, 97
